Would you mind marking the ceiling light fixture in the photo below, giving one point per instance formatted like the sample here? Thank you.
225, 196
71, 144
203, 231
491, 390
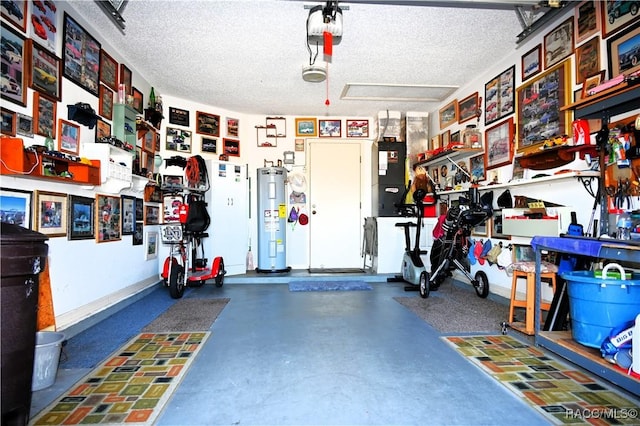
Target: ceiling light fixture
314, 73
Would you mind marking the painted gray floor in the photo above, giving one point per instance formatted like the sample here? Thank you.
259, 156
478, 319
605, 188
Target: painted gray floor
309, 358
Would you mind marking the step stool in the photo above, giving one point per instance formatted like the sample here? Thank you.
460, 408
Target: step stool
526, 270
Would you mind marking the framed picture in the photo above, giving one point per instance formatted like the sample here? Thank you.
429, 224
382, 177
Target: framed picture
276, 127
435, 142
139, 211
128, 214
44, 18
105, 107
16, 13
103, 129
499, 96
624, 51
138, 100
171, 208
24, 125
540, 103
577, 95
446, 139
172, 182
330, 128
178, 140
151, 215
108, 218
306, 127
13, 63
468, 108
44, 115
108, 71
149, 141
590, 82
68, 137
151, 245
179, 116
8, 122
499, 144
45, 72
80, 56
477, 166
496, 226
616, 16
558, 43
138, 236
482, 230
209, 145
448, 114
532, 62
148, 163
207, 124
15, 207
587, 59
126, 78
231, 147
232, 127
435, 175
587, 20
518, 170
81, 218
51, 213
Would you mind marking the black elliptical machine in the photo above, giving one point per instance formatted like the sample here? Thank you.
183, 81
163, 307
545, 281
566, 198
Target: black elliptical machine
449, 252
413, 270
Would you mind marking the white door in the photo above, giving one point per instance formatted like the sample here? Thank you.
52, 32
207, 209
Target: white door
335, 220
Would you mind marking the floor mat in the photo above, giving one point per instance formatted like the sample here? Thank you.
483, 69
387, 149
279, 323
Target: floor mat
562, 394
315, 285
131, 386
195, 314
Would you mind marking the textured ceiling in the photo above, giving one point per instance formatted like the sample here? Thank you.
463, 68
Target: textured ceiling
247, 56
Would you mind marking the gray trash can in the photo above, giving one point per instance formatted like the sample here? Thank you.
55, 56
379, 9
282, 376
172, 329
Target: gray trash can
23, 254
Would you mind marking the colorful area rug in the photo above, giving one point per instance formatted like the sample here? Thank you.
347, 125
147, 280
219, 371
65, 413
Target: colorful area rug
562, 394
328, 286
132, 386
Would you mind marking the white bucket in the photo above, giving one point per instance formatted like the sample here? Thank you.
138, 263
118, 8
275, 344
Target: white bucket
45, 361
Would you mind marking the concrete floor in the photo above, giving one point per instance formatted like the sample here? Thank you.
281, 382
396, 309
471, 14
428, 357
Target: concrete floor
277, 357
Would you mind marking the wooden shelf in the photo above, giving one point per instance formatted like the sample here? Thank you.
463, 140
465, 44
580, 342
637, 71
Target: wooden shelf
36, 165
616, 100
452, 154
552, 158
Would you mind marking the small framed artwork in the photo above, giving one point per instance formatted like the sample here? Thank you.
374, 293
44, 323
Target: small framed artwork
68, 137
231, 147
138, 100
496, 226
44, 115
499, 144
207, 124
45, 72
499, 96
51, 213
482, 230
558, 43
15, 12
478, 167
151, 245
148, 163
448, 114
591, 82
151, 215
232, 127
8, 122
178, 140
126, 77
80, 56
617, 15
103, 129
105, 107
128, 214
455, 137
306, 127
44, 18
107, 218
138, 236
108, 71
209, 145
435, 142
435, 175
15, 205
172, 182
577, 95
14, 58
446, 139
587, 20
330, 128
171, 208
149, 141
518, 170
468, 108
587, 59
532, 62
139, 212
276, 127
179, 116
623, 51
24, 125
357, 128
81, 218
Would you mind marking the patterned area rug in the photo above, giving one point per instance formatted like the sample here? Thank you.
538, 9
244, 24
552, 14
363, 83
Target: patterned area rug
131, 386
562, 394
328, 285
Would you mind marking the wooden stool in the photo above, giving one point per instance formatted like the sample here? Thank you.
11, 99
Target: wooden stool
528, 326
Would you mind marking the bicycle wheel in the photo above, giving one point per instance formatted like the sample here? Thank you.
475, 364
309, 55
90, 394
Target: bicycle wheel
481, 284
176, 281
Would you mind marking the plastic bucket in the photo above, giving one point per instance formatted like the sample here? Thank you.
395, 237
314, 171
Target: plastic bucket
47, 357
598, 305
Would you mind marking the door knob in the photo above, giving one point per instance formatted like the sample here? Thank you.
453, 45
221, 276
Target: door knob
313, 212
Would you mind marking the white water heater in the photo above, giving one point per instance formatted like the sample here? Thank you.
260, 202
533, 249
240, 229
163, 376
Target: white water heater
272, 220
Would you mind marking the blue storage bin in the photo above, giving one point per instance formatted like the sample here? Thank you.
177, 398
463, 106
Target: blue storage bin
598, 305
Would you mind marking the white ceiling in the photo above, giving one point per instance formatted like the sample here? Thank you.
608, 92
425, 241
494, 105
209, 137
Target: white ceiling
247, 56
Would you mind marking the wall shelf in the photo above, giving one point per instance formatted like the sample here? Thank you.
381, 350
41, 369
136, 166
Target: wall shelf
451, 155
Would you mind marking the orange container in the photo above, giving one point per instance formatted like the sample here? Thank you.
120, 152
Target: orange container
12, 156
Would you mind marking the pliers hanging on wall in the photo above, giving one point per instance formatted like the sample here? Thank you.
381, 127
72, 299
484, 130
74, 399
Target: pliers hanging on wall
622, 196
